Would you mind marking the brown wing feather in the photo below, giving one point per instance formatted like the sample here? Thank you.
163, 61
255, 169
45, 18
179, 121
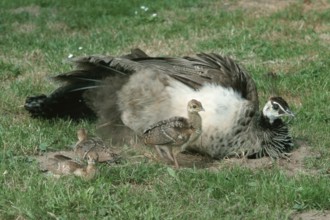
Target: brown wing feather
97, 67
98, 146
173, 131
216, 69
174, 121
204, 68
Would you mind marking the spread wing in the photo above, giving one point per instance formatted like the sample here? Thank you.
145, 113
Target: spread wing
205, 68
194, 71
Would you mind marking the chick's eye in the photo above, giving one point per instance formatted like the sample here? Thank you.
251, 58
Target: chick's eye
194, 106
276, 107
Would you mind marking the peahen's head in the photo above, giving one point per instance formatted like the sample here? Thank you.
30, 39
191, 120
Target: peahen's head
275, 108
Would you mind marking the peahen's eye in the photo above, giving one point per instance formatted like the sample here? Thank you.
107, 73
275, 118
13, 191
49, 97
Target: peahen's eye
194, 106
275, 107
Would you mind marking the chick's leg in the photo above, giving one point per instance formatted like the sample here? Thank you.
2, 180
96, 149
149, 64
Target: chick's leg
176, 164
168, 152
175, 152
160, 151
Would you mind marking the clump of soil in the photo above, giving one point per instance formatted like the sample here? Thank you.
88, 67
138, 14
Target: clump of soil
311, 215
291, 165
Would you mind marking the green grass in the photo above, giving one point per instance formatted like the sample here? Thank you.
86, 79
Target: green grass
37, 36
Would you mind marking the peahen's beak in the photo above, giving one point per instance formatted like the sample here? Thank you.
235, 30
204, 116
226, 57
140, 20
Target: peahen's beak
289, 113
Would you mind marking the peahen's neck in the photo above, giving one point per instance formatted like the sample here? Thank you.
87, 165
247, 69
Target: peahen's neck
274, 135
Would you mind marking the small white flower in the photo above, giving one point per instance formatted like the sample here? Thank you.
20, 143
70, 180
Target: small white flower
154, 15
70, 55
136, 12
80, 48
143, 7
146, 9
6, 171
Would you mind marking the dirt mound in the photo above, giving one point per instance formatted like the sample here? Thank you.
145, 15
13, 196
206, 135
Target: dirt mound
291, 165
311, 215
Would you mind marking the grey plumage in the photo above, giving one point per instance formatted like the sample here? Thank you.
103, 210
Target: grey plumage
133, 91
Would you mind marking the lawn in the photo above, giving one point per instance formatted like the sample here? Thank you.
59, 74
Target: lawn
290, 38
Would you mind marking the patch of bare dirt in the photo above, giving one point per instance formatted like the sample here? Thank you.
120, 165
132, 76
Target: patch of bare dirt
325, 37
34, 56
292, 165
311, 215
177, 47
319, 6
25, 27
20, 218
193, 160
286, 66
258, 7
163, 47
265, 5
59, 26
322, 28
32, 9
294, 100
28, 27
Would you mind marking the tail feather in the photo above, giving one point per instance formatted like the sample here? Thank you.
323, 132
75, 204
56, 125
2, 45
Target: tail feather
75, 98
68, 101
70, 105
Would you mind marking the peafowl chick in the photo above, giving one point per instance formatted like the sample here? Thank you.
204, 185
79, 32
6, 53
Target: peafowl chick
175, 132
63, 166
86, 145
